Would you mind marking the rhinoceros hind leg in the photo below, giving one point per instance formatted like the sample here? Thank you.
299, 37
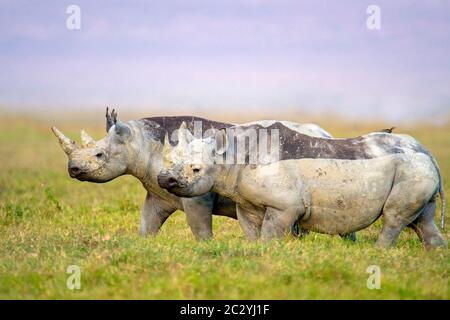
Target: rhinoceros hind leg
389, 235
425, 228
403, 205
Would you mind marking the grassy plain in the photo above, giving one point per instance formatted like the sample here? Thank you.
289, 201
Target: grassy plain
49, 221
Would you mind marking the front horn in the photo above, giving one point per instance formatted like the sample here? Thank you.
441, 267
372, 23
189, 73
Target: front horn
167, 149
66, 144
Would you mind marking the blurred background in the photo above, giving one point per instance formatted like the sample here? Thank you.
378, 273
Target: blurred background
228, 59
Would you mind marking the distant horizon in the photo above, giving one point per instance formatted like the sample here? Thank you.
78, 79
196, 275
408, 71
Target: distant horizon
96, 114
272, 57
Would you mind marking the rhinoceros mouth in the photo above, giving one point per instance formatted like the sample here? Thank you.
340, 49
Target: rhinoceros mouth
79, 176
91, 176
181, 191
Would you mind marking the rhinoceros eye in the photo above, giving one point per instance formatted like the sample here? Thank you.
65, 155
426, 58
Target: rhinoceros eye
99, 155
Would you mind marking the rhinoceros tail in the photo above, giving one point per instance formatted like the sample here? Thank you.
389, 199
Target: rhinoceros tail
441, 191
443, 205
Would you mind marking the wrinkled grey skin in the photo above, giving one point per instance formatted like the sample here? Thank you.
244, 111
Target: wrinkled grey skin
347, 186
135, 148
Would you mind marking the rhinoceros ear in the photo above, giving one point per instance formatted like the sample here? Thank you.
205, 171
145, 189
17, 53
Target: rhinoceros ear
66, 144
111, 119
86, 140
122, 130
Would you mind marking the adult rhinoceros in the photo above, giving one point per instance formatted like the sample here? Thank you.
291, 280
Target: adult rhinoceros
333, 186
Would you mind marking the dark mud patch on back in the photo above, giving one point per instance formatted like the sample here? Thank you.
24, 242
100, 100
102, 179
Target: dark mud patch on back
157, 127
295, 145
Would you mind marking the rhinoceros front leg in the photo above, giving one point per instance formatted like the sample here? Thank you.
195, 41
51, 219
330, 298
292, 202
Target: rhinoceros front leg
154, 213
298, 231
250, 222
199, 215
278, 223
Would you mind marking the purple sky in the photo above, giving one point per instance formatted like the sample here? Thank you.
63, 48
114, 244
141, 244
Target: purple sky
228, 56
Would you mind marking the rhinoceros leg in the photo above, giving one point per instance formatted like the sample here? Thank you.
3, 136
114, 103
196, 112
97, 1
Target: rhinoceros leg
199, 216
154, 213
249, 222
404, 204
390, 232
277, 223
298, 231
349, 236
425, 228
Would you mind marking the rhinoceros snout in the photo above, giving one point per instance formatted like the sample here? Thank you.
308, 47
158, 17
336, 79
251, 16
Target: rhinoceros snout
74, 169
167, 181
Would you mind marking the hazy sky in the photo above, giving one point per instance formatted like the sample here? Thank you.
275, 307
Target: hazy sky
228, 55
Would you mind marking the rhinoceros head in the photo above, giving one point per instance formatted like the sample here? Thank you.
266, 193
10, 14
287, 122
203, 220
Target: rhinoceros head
98, 161
188, 168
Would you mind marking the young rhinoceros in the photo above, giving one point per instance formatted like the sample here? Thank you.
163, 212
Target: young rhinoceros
333, 186
135, 148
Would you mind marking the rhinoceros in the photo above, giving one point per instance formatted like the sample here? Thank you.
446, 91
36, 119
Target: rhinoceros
135, 148
332, 186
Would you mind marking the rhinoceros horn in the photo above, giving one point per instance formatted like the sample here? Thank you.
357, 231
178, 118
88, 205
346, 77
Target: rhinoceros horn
66, 144
86, 140
184, 135
166, 148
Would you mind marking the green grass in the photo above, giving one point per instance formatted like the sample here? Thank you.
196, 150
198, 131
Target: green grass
49, 221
